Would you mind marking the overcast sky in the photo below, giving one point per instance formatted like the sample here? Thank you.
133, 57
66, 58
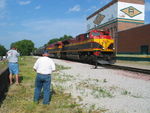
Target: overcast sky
42, 20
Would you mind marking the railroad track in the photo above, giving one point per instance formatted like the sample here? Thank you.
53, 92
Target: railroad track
127, 68
144, 71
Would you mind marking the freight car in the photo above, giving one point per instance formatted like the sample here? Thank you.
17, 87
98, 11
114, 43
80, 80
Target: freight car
94, 46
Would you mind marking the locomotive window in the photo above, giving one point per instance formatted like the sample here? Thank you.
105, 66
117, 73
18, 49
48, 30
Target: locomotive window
86, 35
95, 34
106, 33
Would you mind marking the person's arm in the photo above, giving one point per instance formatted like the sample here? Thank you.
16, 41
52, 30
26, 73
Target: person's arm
35, 65
53, 66
9, 54
18, 54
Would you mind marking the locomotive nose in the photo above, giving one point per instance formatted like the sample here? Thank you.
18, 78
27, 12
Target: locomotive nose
104, 44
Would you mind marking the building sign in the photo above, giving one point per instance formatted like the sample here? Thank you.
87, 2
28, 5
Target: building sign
131, 11
117, 12
109, 14
98, 19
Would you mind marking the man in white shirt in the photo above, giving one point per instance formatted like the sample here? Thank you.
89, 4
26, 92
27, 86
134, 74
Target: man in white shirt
12, 57
44, 67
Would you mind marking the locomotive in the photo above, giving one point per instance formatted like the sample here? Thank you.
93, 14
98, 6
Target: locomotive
94, 46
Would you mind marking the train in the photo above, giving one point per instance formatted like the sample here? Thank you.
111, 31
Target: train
93, 46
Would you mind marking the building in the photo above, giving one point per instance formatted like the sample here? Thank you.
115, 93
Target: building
116, 16
134, 41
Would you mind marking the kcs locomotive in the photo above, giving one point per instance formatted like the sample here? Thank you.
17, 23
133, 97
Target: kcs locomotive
94, 46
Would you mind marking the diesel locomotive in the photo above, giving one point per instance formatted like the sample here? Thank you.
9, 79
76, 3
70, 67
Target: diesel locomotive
94, 46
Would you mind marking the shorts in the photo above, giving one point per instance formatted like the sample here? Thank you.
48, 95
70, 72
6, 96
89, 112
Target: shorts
13, 68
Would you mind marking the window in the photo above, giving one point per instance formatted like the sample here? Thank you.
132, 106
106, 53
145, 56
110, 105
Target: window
96, 34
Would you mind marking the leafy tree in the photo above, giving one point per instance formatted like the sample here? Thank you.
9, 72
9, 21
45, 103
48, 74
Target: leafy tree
25, 47
53, 40
65, 37
2, 50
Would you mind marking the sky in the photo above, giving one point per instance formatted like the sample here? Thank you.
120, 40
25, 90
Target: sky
42, 20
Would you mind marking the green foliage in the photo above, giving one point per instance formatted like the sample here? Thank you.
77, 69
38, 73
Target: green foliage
25, 47
125, 92
2, 50
101, 92
53, 40
65, 37
61, 67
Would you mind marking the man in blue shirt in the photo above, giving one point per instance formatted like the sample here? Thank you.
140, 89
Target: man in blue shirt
12, 56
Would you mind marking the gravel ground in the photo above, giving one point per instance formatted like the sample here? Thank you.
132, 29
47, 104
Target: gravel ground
114, 91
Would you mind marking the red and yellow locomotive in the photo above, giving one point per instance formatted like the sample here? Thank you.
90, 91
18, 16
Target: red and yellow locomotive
86, 47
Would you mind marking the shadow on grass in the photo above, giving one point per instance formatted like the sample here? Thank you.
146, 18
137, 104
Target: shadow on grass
4, 85
20, 79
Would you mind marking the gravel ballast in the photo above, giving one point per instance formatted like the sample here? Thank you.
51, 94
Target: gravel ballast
114, 91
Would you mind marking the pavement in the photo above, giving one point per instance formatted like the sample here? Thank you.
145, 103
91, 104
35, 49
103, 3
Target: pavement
134, 64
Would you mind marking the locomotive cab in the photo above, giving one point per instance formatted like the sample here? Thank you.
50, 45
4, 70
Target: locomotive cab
99, 34
103, 46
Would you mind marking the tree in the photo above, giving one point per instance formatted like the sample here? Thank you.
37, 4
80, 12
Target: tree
25, 47
65, 37
53, 40
2, 50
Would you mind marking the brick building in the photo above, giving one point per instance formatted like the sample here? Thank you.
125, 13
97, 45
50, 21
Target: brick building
116, 16
135, 40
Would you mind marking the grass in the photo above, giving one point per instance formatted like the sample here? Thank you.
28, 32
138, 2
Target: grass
128, 93
101, 92
95, 89
125, 92
3, 65
19, 98
61, 67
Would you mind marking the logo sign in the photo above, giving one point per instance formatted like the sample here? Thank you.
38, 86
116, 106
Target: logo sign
98, 19
131, 11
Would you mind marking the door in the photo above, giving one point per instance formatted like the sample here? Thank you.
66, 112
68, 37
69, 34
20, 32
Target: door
144, 49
